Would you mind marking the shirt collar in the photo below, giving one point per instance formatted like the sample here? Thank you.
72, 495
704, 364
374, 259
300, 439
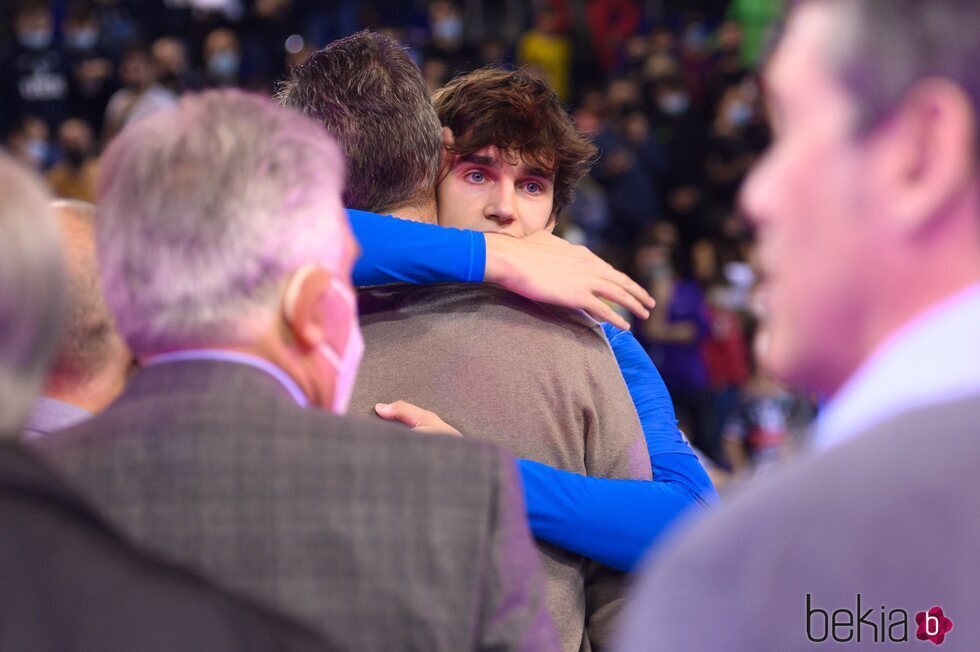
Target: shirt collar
931, 360
236, 357
49, 414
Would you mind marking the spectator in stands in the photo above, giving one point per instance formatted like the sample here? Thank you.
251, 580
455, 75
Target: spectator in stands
34, 74
678, 326
545, 48
729, 153
173, 67
30, 143
92, 67
93, 362
682, 135
140, 96
447, 37
222, 58
75, 175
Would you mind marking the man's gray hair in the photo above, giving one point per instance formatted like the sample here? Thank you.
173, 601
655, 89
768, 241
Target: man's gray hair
31, 293
884, 47
372, 98
90, 341
204, 209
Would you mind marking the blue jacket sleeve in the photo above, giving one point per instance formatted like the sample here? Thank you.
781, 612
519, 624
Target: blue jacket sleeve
395, 250
616, 521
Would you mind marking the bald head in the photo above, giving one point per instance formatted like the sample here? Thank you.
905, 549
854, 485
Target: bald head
92, 361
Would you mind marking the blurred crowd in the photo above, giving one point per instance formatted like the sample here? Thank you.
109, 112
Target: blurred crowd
665, 89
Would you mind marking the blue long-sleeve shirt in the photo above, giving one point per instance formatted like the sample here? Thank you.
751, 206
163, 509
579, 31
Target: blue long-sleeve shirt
611, 521
395, 250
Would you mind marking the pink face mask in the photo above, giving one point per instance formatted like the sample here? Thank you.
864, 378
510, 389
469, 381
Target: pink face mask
344, 364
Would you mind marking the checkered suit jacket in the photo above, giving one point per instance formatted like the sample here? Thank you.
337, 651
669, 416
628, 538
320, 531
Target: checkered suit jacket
382, 539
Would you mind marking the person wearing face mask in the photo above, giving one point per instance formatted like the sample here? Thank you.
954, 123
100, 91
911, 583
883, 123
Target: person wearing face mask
447, 37
34, 74
222, 57
225, 255
730, 151
92, 68
29, 143
681, 134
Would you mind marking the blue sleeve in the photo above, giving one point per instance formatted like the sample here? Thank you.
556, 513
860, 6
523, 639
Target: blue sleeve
616, 521
395, 250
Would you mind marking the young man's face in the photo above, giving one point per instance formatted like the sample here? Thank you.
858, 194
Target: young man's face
485, 192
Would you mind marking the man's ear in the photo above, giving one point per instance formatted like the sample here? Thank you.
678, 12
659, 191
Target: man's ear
448, 155
552, 222
927, 153
303, 305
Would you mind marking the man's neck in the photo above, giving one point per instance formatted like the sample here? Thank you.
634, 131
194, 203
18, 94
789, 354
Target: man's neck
92, 395
421, 211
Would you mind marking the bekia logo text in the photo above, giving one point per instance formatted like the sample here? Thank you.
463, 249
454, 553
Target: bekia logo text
871, 625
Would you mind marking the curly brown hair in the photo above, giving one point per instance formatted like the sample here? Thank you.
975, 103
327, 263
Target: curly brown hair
520, 115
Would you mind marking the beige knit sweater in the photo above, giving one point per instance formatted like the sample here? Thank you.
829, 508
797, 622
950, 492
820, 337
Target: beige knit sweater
537, 380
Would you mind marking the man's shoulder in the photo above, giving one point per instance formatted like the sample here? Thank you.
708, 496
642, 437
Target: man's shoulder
477, 300
275, 435
908, 456
860, 517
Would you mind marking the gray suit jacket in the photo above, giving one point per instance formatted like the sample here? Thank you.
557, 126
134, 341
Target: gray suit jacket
892, 515
382, 539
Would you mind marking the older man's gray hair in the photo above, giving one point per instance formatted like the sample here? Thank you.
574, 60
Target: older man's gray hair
31, 292
372, 98
203, 210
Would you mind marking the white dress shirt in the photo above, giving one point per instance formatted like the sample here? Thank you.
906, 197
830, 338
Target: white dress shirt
933, 359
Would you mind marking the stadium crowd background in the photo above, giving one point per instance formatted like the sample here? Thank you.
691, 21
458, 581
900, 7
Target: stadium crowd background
666, 89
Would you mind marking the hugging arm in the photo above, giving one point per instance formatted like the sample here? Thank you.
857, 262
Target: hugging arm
607, 520
616, 521
541, 267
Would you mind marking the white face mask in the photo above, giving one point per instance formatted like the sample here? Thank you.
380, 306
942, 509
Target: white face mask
346, 364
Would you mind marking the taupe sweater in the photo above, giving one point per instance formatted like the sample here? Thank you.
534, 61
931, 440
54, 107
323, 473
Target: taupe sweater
540, 381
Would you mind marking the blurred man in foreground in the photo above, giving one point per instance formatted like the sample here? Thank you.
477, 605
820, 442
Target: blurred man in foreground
868, 214
93, 362
225, 255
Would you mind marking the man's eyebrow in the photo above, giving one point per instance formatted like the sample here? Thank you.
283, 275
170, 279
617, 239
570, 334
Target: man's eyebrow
480, 159
540, 172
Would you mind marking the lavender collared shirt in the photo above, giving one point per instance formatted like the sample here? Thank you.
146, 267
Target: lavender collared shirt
235, 357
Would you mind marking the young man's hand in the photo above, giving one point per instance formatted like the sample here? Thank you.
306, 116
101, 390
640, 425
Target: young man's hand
415, 418
545, 268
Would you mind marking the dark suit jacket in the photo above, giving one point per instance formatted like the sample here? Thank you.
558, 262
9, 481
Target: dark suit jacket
383, 539
70, 583
892, 515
